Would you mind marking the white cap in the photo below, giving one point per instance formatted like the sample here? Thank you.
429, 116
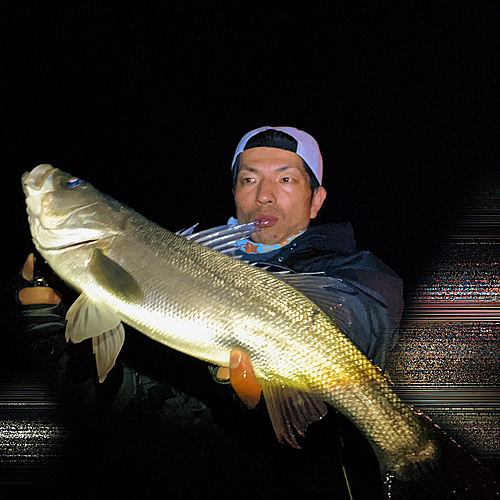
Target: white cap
307, 147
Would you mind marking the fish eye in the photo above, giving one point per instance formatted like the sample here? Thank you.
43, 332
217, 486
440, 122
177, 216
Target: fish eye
73, 183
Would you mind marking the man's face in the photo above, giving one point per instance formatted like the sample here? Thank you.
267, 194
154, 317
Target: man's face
273, 188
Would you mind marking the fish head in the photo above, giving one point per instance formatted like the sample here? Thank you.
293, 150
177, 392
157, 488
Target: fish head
64, 211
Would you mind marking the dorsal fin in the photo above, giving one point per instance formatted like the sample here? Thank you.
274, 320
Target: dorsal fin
221, 238
328, 293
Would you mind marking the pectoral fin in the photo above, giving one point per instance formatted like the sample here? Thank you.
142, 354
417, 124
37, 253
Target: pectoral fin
288, 406
113, 278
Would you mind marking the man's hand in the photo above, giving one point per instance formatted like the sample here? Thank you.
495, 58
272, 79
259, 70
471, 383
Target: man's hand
39, 294
240, 373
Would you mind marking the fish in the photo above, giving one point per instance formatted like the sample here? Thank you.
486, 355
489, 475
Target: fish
204, 303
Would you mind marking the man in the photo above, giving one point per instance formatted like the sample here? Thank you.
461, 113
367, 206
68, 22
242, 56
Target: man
277, 175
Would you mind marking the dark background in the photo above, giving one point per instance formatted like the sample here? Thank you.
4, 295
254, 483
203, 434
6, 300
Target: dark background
148, 103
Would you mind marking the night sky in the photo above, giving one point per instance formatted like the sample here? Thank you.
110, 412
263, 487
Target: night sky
148, 103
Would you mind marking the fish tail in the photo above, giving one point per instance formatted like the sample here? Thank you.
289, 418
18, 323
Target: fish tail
449, 472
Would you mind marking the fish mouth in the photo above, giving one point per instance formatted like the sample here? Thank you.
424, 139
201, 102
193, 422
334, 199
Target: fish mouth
36, 179
266, 221
36, 184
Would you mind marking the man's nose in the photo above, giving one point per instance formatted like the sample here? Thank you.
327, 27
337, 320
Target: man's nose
266, 193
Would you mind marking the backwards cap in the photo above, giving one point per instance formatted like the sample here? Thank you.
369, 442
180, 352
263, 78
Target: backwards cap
306, 147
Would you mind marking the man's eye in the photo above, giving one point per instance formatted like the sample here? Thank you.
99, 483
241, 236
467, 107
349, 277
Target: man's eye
286, 179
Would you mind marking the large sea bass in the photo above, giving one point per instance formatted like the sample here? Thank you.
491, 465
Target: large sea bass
205, 304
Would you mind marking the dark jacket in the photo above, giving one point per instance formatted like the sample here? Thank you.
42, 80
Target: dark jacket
372, 293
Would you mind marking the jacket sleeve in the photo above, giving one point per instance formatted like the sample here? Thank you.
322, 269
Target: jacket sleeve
372, 294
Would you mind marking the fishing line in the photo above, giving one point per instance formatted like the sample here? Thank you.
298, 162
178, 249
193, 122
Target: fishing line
340, 457
346, 480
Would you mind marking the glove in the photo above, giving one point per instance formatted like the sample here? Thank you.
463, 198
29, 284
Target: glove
241, 377
33, 320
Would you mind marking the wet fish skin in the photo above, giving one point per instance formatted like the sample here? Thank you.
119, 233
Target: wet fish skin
205, 304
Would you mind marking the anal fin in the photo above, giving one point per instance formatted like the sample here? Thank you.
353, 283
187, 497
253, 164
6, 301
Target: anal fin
288, 406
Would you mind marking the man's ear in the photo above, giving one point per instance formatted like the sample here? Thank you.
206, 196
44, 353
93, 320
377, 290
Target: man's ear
317, 201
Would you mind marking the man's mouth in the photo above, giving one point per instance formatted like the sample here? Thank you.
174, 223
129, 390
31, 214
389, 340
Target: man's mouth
266, 221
